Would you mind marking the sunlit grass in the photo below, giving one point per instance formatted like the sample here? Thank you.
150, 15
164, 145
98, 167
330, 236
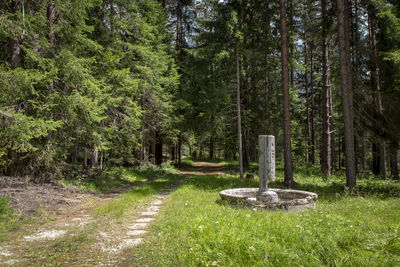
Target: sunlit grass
358, 228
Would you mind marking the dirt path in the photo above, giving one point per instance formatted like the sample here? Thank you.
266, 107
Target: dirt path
204, 168
74, 236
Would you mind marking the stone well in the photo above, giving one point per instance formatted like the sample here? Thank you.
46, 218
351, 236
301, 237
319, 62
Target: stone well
288, 199
269, 198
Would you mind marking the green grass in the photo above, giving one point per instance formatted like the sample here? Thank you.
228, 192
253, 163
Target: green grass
347, 229
117, 177
9, 220
135, 197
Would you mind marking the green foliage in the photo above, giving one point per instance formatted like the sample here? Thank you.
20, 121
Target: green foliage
108, 73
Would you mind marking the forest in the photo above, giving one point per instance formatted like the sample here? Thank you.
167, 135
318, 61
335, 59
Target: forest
91, 86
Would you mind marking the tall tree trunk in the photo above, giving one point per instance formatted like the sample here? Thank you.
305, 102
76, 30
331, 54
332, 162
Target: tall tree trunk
211, 154
179, 30
312, 103
326, 129
394, 171
239, 113
15, 44
143, 145
362, 155
376, 86
307, 95
245, 147
94, 160
51, 16
180, 148
291, 41
158, 152
376, 166
288, 180
332, 128
173, 153
347, 93
151, 146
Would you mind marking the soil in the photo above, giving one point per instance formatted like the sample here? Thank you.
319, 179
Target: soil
28, 198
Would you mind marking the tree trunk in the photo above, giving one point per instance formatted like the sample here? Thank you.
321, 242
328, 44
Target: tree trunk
158, 148
211, 154
94, 160
309, 156
238, 113
151, 147
376, 166
101, 159
362, 155
376, 86
51, 16
173, 153
180, 148
332, 128
142, 146
246, 155
326, 129
347, 93
393, 161
15, 44
288, 180
312, 103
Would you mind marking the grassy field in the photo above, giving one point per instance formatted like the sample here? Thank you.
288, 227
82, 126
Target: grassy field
347, 229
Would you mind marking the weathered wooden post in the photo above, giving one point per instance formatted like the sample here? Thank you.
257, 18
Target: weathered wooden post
266, 167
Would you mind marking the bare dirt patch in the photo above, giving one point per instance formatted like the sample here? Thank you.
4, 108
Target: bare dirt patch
28, 198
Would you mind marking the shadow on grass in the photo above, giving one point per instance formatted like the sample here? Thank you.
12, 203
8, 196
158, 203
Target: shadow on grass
116, 180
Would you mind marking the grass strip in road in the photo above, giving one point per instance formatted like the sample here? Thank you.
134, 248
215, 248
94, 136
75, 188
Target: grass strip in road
195, 230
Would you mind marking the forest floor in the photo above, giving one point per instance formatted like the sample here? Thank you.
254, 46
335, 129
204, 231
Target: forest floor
84, 228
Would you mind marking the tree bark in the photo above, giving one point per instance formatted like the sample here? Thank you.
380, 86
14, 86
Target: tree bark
173, 153
288, 180
347, 93
332, 126
94, 160
326, 126
158, 148
312, 103
211, 154
180, 148
15, 44
239, 113
307, 96
376, 167
51, 16
394, 171
376, 87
